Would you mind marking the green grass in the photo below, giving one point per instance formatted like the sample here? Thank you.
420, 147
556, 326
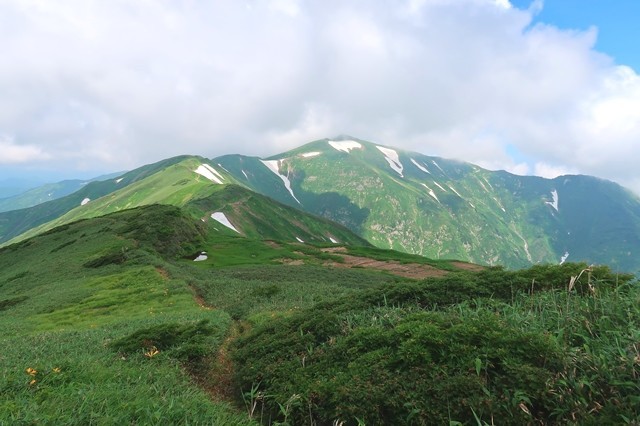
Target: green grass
71, 296
260, 292
465, 348
80, 380
109, 321
66, 298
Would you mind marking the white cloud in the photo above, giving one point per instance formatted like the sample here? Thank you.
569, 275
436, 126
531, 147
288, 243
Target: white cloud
121, 83
13, 153
550, 171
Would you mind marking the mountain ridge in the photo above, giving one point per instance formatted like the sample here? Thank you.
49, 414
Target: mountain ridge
395, 199
441, 208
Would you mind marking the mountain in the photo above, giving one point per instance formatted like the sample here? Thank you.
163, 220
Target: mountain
182, 297
394, 199
10, 187
441, 208
47, 192
208, 194
16, 222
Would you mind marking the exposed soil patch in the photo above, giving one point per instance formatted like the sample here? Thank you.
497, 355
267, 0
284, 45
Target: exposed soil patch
219, 380
408, 270
335, 250
199, 299
288, 261
163, 273
468, 266
272, 244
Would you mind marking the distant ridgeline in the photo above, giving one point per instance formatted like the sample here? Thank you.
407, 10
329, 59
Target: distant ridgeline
395, 199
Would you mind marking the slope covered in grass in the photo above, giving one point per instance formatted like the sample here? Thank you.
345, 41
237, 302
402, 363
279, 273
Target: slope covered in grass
481, 348
65, 296
16, 222
103, 320
110, 320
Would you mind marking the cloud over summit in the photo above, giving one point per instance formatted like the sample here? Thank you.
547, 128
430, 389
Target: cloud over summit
124, 83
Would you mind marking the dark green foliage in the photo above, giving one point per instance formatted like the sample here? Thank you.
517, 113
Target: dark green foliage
63, 245
8, 303
112, 258
459, 348
166, 229
18, 276
186, 342
266, 291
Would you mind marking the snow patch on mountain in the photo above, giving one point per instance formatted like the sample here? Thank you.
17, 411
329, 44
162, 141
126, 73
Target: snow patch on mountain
245, 175
345, 146
433, 194
392, 158
454, 190
420, 166
482, 185
299, 240
210, 173
119, 180
564, 257
202, 256
526, 244
274, 166
222, 218
439, 186
311, 154
85, 201
436, 164
488, 183
222, 167
554, 203
333, 240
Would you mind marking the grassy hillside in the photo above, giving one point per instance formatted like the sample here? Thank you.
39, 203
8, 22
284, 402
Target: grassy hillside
493, 347
260, 217
110, 320
170, 182
47, 192
66, 296
16, 222
90, 311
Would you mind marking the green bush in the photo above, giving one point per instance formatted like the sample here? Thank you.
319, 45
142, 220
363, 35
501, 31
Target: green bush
469, 348
186, 342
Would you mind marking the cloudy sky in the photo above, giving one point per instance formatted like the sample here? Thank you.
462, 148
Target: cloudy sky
92, 86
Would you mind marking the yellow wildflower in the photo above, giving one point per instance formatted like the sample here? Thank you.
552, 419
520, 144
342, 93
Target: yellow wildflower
31, 371
56, 370
32, 382
152, 352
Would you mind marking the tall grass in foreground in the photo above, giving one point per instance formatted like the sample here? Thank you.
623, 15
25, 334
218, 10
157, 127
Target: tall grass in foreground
464, 349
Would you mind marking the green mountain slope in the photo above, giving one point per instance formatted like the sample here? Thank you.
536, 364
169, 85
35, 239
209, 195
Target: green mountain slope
224, 206
47, 192
255, 216
172, 181
449, 209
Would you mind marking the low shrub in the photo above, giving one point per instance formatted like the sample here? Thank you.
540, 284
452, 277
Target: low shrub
188, 342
